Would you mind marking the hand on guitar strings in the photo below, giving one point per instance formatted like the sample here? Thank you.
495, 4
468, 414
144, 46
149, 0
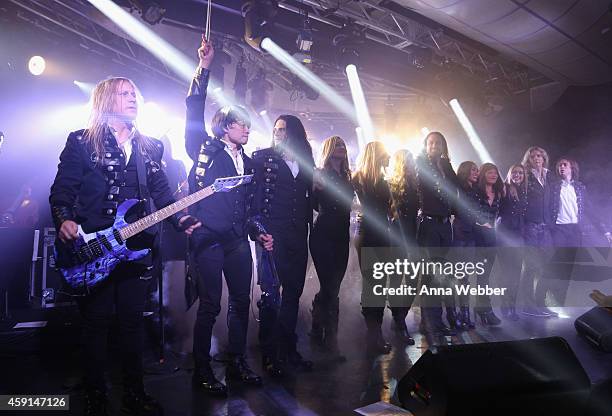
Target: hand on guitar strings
69, 231
206, 53
189, 224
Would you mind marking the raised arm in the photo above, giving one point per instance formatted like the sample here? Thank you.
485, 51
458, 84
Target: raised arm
195, 129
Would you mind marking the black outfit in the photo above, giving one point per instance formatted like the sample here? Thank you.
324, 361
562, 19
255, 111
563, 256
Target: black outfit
486, 240
536, 235
565, 237
464, 236
466, 213
437, 188
282, 203
220, 245
88, 192
373, 232
510, 237
403, 233
329, 247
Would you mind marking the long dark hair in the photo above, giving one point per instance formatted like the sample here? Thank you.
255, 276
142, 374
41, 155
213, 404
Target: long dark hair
463, 173
297, 141
498, 186
445, 154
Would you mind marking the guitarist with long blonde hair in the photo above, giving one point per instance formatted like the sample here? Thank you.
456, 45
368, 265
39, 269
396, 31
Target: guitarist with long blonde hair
100, 167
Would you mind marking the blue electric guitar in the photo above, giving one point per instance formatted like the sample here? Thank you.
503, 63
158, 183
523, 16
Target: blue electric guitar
88, 261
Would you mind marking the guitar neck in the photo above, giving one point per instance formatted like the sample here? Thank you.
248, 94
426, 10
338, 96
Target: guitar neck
160, 215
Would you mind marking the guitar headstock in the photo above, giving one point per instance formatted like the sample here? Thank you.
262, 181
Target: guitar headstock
229, 183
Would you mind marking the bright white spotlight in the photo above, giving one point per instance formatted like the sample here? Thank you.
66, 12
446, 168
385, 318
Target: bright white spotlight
153, 120
37, 65
361, 106
361, 142
165, 52
306, 75
425, 131
85, 87
263, 112
481, 150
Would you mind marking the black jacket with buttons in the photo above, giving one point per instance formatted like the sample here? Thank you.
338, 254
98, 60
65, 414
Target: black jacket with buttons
89, 191
281, 202
223, 214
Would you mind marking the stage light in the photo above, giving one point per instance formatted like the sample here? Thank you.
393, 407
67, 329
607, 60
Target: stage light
425, 131
153, 120
348, 42
257, 17
165, 52
310, 79
263, 112
37, 65
304, 43
85, 87
361, 106
360, 139
480, 148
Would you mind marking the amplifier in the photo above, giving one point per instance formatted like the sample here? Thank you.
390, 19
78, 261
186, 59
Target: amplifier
596, 326
47, 288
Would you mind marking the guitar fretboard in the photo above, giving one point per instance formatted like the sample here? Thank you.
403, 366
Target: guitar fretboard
158, 216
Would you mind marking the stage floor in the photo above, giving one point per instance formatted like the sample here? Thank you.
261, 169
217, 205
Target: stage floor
49, 363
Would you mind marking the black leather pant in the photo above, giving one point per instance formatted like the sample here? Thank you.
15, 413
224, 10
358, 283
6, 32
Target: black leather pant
125, 293
235, 262
277, 330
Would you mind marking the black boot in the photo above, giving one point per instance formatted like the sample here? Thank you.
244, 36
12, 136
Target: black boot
95, 403
399, 325
466, 319
273, 366
453, 318
238, 369
401, 331
138, 403
295, 359
512, 315
205, 380
317, 332
331, 332
488, 317
375, 343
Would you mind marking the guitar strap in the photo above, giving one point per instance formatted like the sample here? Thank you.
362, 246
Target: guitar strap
143, 190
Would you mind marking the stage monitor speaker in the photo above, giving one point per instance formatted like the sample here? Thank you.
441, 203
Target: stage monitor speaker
596, 326
529, 377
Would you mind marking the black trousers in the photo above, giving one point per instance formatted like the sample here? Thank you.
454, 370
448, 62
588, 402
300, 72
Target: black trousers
330, 257
557, 274
234, 261
486, 240
538, 241
434, 233
124, 293
277, 328
511, 255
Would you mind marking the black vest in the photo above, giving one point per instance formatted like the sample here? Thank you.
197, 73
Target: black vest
283, 201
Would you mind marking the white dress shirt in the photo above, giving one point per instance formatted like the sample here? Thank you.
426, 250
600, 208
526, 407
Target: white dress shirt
238, 160
568, 204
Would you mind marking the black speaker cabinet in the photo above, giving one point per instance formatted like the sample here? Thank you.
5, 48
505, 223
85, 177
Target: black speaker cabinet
529, 377
596, 326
